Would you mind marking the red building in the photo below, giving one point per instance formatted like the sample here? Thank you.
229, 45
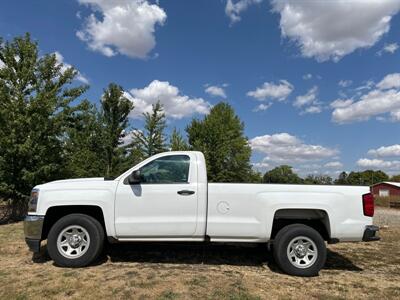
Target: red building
386, 189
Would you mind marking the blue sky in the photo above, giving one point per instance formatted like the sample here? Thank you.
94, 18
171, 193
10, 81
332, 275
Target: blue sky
316, 84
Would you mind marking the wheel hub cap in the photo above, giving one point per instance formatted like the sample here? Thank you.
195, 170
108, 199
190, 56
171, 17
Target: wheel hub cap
302, 252
73, 241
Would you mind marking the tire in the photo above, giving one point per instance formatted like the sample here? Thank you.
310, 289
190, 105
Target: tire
76, 240
299, 250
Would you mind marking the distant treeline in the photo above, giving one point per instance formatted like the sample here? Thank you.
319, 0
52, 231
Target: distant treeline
285, 174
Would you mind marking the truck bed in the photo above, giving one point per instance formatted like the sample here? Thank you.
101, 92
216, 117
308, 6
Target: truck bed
245, 212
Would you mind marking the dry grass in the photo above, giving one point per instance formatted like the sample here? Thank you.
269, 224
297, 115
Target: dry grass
387, 217
150, 271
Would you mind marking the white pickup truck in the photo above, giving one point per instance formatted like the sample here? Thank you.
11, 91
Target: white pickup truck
167, 198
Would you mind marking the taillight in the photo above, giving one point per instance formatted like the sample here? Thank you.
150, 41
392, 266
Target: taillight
368, 204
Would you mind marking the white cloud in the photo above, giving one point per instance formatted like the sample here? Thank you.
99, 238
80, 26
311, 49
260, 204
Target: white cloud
374, 103
345, 83
332, 29
338, 103
390, 166
270, 90
234, 9
394, 116
261, 165
317, 170
389, 48
307, 76
128, 137
216, 91
65, 66
176, 106
312, 110
309, 98
367, 85
285, 148
126, 27
334, 165
383, 99
390, 81
309, 102
262, 107
1, 64
386, 151
367, 163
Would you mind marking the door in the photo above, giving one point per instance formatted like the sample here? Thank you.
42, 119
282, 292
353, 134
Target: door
163, 204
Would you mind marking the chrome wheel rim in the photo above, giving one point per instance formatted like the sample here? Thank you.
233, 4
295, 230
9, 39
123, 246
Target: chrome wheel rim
73, 241
302, 252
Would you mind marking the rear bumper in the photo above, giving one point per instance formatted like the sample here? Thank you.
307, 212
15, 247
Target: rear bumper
33, 226
370, 233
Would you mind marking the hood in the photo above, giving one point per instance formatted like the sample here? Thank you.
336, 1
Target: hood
76, 183
77, 180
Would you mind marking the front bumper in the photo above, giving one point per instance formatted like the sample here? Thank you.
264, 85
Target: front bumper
370, 233
33, 226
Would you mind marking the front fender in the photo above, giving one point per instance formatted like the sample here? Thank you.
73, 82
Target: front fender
102, 198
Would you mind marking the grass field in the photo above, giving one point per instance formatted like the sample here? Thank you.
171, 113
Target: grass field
162, 271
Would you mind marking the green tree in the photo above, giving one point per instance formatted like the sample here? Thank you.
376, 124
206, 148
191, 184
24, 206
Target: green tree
318, 179
133, 156
177, 142
282, 174
220, 137
35, 110
152, 139
342, 179
255, 177
85, 146
368, 177
395, 178
115, 109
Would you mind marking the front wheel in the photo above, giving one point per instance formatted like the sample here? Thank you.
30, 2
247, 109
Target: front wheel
299, 250
75, 240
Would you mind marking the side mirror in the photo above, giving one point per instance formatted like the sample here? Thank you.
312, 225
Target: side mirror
134, 177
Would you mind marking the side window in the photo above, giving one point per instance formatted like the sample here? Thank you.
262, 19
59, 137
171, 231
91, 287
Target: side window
167, 169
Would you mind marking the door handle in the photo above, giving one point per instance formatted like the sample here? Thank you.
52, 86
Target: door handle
185, 192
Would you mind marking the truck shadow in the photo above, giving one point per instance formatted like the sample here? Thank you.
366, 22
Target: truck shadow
210, 254
207, 254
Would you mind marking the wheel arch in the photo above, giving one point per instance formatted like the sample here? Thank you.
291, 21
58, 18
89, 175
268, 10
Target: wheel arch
54, 213
317, 219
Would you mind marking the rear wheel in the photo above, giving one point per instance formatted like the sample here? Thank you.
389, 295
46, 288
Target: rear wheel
299, 250
75, 240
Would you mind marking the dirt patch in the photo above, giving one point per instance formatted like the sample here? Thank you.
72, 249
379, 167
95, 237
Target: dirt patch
196, 271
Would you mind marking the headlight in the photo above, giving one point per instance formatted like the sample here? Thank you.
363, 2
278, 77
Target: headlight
33, 200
